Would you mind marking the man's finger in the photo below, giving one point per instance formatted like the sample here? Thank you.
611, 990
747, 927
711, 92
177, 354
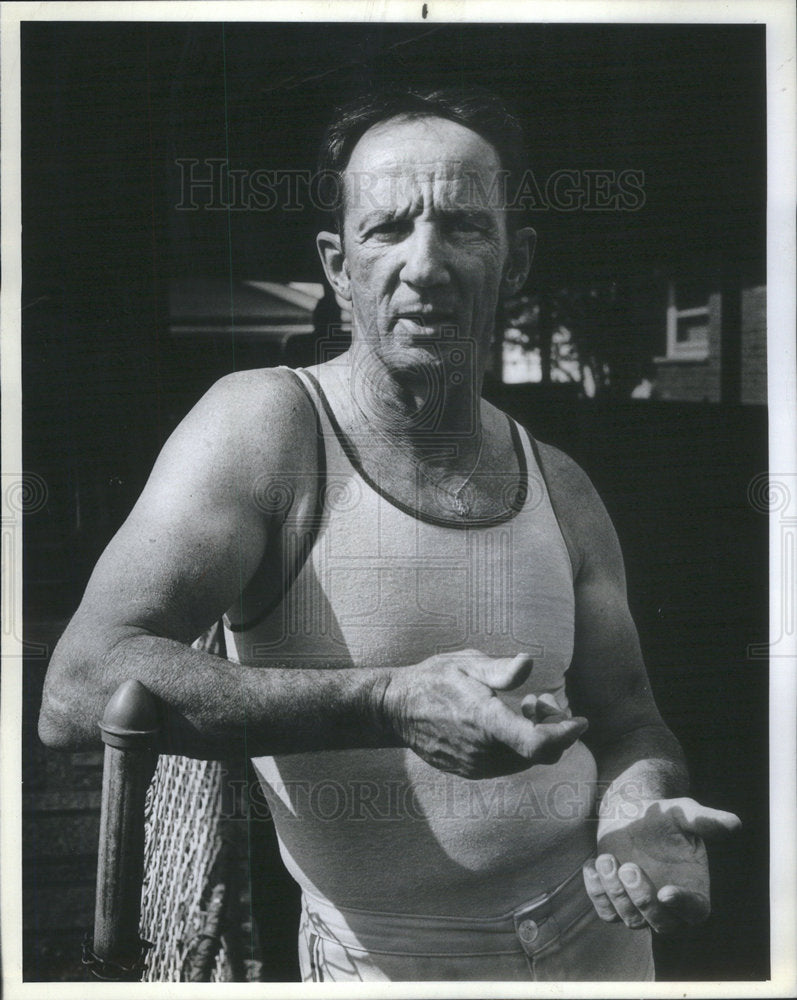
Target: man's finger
542, 708
607, 869
596, 892
547, 741
553, 738
690, 907
539, 743
642, 893
501, 674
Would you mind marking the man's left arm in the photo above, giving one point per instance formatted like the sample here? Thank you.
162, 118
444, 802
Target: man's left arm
651, 867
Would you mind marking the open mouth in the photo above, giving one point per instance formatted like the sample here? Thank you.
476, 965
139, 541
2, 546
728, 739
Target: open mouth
426, 324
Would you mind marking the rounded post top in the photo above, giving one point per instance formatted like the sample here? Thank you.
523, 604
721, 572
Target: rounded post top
131, 717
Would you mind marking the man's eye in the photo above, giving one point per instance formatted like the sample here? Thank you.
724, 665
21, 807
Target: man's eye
463, 224
390, 229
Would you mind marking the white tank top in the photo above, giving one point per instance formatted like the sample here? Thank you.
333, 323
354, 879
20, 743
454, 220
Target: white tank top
378, 584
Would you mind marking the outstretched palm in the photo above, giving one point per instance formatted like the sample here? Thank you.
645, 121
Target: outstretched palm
652, 868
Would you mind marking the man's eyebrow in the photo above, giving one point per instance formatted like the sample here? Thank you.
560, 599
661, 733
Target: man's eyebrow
376, 214
470, 210
379, 215
473, 213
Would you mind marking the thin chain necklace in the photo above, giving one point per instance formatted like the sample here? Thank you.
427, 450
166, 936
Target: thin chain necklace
461, 505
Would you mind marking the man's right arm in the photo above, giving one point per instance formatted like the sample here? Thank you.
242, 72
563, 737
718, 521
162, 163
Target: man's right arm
193, 540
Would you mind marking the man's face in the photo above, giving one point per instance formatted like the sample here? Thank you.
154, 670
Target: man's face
425, 242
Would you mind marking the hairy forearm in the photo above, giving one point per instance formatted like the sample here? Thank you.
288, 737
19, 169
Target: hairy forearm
444, 708
212, 707
645, 764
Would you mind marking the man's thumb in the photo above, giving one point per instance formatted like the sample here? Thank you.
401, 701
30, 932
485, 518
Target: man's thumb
708, 823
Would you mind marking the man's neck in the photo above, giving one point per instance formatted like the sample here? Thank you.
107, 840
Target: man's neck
421, 408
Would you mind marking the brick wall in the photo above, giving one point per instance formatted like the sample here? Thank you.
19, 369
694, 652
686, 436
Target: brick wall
754, 345
699, 381
694, 381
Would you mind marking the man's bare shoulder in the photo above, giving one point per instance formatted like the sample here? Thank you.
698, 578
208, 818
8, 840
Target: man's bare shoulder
202, 522
585, 523
566, 476
261, 413
241, 399
250, 429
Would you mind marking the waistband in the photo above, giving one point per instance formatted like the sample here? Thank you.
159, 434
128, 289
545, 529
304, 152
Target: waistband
530, 926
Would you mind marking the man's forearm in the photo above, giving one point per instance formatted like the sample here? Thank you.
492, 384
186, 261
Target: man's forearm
640, 766
444, 708
212, 707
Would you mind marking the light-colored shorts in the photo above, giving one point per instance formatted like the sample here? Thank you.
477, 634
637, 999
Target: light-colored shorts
555, 937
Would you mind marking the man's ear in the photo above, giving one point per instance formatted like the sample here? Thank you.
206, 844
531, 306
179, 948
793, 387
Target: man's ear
330, 250
521, 253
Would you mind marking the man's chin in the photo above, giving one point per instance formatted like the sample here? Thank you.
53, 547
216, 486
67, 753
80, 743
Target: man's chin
414, 352
418, 355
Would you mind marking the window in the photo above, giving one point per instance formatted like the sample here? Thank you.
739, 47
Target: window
687, 320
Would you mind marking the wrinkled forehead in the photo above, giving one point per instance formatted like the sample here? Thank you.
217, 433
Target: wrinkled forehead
405, 162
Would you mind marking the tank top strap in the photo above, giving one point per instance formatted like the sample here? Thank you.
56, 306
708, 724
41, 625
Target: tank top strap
308, 384
326, 422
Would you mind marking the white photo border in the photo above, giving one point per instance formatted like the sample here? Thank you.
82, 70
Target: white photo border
779, 17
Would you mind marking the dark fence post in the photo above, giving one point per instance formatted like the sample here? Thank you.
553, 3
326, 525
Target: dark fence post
129, 727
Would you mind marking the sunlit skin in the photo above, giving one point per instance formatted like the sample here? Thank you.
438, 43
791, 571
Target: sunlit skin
424, 256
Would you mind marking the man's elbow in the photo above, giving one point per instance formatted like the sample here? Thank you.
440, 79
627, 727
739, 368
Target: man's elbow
66, 716
55, 734
65, 728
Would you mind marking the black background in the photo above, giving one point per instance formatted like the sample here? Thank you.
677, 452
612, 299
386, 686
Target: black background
109, 108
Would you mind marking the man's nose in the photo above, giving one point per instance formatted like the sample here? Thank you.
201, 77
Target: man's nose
426, 260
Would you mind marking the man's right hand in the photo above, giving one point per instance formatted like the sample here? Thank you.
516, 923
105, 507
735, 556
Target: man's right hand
446, 709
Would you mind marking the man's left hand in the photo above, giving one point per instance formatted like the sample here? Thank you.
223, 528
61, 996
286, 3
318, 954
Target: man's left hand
652, 869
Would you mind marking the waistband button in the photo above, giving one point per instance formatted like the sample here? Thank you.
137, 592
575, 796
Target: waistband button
528, 931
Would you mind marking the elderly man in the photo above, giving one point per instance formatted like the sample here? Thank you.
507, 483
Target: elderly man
415, 596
